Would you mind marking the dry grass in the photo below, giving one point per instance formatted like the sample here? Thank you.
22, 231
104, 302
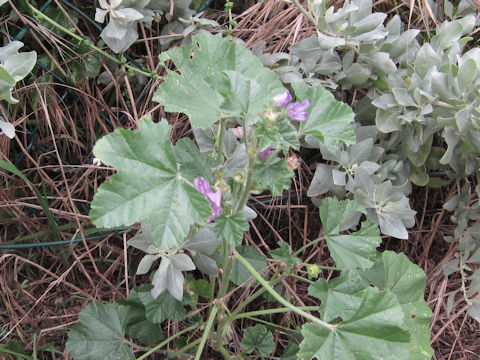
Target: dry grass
43, 289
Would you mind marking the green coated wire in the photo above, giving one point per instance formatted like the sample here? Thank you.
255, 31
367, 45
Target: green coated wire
52, 243
78, 239
203, 6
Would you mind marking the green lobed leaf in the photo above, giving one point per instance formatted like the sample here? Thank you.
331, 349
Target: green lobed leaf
406, 281
165, 306
231, 228
273, 174
147, 186
193, 162
199, 287
329, 120
290, 352
100, 333
334, 212
284, 253
340, 297
282, 135
258, 338
146, 331
212, 73
375, 332
356, 250
352, 251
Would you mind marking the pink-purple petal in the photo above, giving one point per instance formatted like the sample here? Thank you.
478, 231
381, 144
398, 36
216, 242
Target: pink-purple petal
214, 198
264, 153
202, 185
297, 112
282, 99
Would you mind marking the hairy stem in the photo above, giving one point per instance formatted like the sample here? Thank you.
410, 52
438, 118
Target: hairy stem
299, 251
219, 142
258, 293
166, 341
272, 311
206, 332
279, 298
185, 348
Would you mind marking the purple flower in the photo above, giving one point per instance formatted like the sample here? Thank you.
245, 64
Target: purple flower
264, 153
214, 198
296, 111
282, 99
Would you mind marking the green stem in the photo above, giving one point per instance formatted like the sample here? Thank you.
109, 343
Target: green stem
279, 298
224, 352
228, 261
273, 325
166, 341
135, 346
463, 287
301, 278
272, 311
313, 242
221, 135
229, 248
227, 271
260, 292
185, 348
206, 332
248, 185
42, 16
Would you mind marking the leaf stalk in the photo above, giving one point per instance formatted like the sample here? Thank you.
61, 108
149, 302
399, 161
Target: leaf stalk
279, 298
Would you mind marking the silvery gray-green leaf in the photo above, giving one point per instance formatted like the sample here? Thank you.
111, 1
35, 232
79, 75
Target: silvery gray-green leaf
169, 275
7, 128
146, 263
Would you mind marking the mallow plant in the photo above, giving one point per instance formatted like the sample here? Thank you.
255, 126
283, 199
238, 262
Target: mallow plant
191, 198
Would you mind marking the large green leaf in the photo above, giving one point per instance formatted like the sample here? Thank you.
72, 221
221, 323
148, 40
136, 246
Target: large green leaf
340, 297
216, 77
376, 331
148, 185
405, 280
329, 120
351, 251
100, 333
